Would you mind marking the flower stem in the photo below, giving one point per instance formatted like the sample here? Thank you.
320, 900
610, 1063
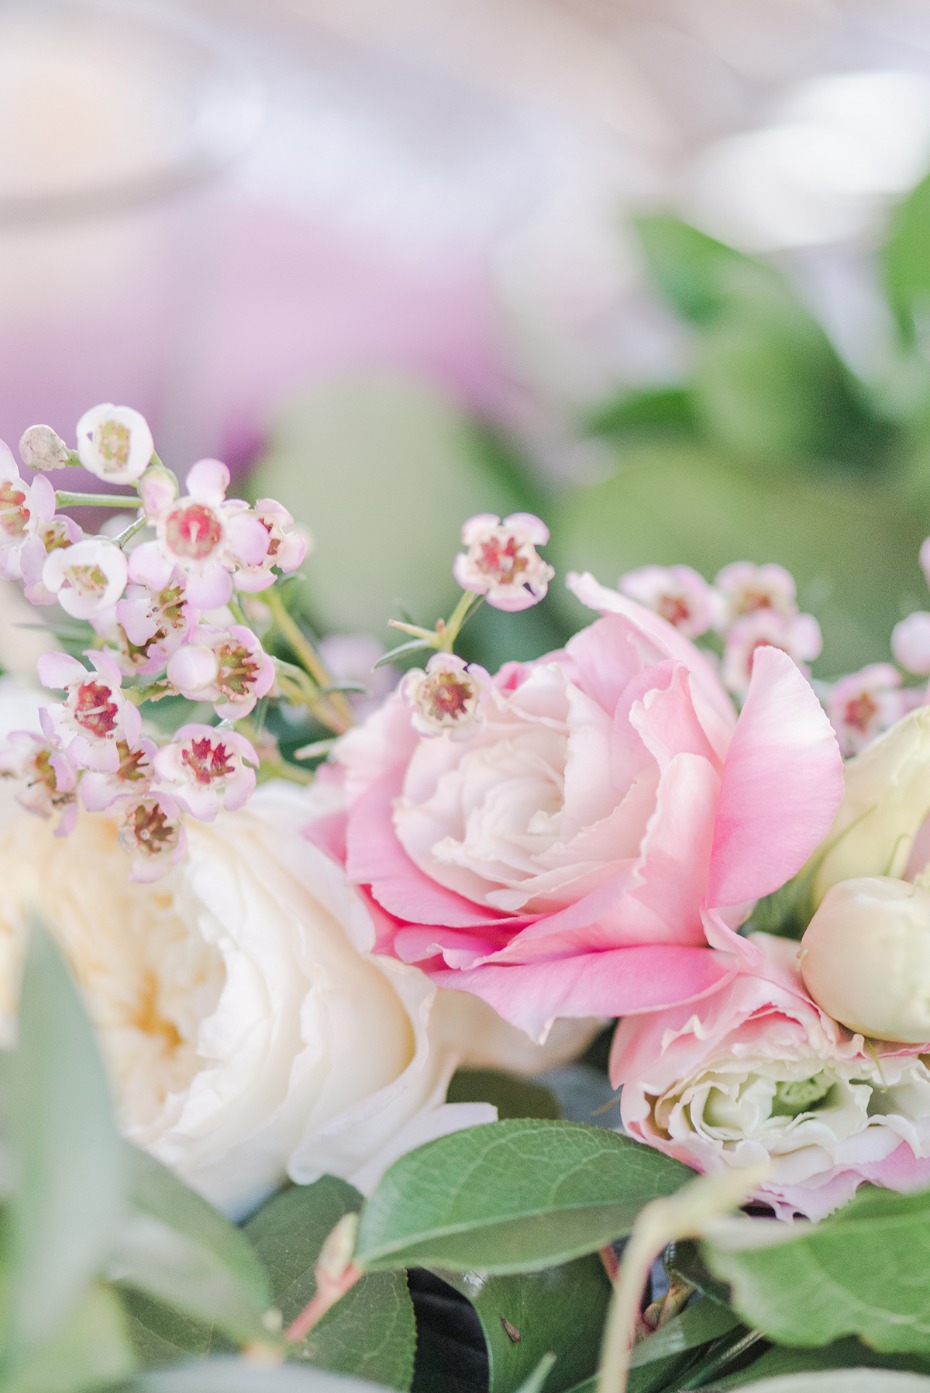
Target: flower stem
131, 531
127, 501
340, 712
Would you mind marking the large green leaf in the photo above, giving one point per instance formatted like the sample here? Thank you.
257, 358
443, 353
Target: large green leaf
370, 1332
697, 274
853, 548
237, 1376
179, 1250
861, 1271
162, 1336
558, 1311
70, 1161
90, 1350
842, 1381
907, 261
770, 387
511, 1197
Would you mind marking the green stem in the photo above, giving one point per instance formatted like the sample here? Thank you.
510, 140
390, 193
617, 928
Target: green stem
131, 531
447, 631
129, 502
340, 712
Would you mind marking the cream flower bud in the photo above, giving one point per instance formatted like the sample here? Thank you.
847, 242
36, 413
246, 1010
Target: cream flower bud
42, 448
887, 800
865, 958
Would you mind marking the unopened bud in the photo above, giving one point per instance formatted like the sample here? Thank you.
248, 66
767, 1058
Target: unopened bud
865, 958
43, 449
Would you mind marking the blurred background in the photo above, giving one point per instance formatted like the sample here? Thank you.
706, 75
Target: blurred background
658, 270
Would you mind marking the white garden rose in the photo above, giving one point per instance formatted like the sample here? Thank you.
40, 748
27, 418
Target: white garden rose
248, 1033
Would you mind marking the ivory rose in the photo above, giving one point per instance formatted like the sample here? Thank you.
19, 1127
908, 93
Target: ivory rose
249, 1033
760, 1073
592, 845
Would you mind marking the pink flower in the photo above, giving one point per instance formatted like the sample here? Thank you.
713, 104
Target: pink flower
446, 697
798, 636
745, 589
203, 533
25, 510
591, 849
151, 832
759, 1072
226, 666
153, 625
203, 765
678, 593
96, 716
501, 562
48, 778
865, 703
134, 774
287, 547
114, 443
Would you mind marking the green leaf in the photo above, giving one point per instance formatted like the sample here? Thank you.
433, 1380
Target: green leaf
236, 1376
559, 1311
179, 1250
861, 1271
90, 1349
852, 547
369, 1333
162, 1336
649, 410
769, 386
697, 274
779, 1360
537, 1380
907, 261
70, 1161
841, 1381
512, 1096
511, 1197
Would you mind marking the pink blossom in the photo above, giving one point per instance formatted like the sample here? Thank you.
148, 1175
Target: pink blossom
798, 636
114, 443
759, 1072
593, 847
24, 510
864, 704
910, 643
226, 666
54, 532
134, 774
287, 547
151, 832
96, 715
501, 562
745, 588
678, 593
153, 625
204, 767
204, 534
48, 777
86, 578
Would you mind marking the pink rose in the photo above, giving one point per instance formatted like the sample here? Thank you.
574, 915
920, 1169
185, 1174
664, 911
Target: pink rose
760, 1073
590, 845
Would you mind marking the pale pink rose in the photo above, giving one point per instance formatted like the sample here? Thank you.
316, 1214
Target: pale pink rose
759, 1073
593, 846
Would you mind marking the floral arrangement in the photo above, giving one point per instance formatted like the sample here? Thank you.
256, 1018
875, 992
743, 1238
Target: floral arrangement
257, 918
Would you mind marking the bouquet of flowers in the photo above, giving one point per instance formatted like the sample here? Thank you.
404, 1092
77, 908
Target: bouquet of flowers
255, 917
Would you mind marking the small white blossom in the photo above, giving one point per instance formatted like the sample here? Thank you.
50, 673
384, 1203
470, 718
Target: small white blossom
501, 562
114, 443
86, 578
446, 698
